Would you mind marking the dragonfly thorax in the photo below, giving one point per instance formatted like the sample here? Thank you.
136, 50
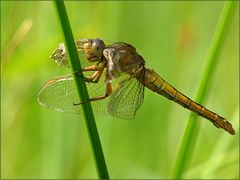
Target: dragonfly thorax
123, 61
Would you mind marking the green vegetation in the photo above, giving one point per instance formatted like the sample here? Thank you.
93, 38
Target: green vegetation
173, 37
191, 131
83, 94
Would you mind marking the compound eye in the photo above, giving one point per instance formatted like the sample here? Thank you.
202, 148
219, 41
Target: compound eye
98, 47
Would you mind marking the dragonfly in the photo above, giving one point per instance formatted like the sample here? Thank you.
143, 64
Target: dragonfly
115, 75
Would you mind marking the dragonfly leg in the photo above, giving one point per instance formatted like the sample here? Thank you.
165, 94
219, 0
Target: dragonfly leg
98, 68
89, 68
93, 58
95, 67
95, 77
92, 68
107, 93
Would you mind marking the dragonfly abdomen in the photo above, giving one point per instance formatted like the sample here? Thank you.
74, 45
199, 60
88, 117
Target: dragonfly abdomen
154, 82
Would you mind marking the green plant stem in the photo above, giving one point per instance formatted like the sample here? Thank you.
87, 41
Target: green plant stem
82, 91
191, 131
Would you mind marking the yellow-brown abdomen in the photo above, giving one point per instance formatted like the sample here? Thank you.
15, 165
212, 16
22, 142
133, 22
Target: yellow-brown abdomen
154, 82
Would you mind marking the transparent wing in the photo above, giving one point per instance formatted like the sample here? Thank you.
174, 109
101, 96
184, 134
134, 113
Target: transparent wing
60, 94
126, 99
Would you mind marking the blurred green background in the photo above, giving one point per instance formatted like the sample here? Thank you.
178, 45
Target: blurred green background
173, 37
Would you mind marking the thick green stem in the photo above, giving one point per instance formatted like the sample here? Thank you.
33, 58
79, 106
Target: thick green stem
191, 131
82, 91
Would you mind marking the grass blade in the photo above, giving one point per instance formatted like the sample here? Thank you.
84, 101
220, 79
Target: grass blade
191, 131
82, 91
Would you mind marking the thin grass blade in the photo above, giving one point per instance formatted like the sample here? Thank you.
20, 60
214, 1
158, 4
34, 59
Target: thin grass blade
192, 129
82, 91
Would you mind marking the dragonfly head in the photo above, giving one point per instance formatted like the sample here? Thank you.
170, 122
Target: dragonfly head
97, 47
93, 48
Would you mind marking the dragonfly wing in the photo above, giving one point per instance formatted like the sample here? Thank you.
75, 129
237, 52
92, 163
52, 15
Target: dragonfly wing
126, 99
60, 94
